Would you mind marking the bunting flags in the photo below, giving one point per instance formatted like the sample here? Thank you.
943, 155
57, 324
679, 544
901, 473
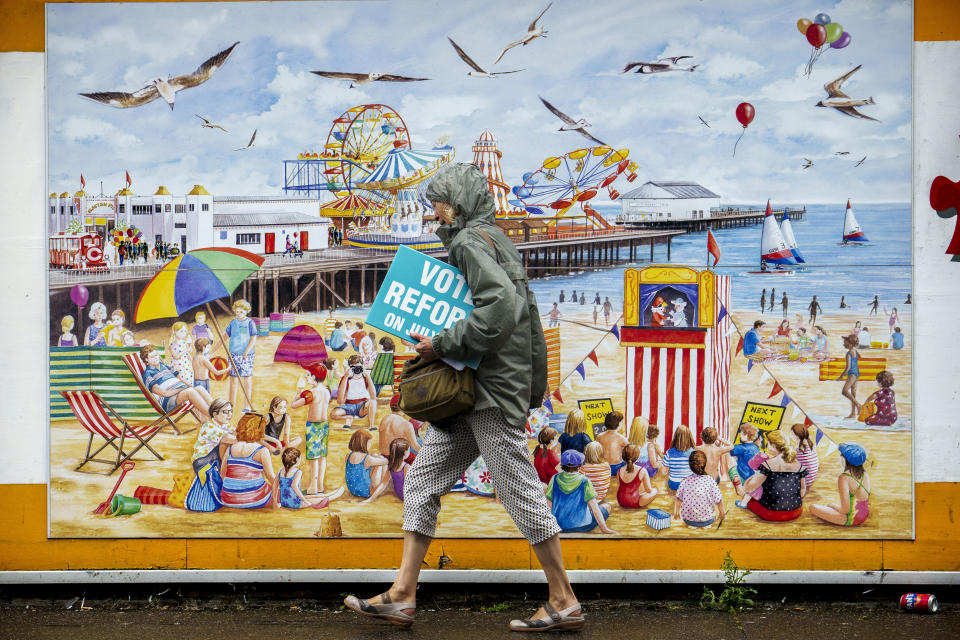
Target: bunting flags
775, 390
785, 401
807, 422
831, 448
764, 376
615, 330
582, 371
733, 329
593, 356
556, 394
749, 365
548, 405
713, 248
722, 314
796, 410
740, 346
818, 437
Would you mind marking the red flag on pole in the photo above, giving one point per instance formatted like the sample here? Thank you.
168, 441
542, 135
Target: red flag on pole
593, 356
83, 183
713, 248
129, 182
776, 389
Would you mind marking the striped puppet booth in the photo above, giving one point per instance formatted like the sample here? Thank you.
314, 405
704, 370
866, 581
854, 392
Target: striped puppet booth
677, 335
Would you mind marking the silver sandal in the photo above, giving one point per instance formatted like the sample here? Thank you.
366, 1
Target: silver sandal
559, 620
393, 612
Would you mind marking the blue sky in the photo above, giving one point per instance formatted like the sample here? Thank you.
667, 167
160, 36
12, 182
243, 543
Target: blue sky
747, 51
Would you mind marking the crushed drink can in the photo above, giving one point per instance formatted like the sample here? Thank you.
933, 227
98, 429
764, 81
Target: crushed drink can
919, 603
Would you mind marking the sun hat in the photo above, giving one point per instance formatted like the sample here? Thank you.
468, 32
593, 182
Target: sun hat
853, 453
571, 458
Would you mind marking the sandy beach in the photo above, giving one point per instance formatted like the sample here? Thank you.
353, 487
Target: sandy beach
73, 495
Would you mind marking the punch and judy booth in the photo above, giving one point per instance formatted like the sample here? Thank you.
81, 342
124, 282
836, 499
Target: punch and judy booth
676, 331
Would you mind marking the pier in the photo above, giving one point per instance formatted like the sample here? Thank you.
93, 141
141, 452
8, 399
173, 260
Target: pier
344, 276
722, 218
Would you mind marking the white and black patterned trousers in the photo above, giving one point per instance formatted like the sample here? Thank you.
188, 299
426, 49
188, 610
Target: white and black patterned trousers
446, 453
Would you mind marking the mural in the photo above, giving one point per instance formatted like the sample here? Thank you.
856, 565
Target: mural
213, 260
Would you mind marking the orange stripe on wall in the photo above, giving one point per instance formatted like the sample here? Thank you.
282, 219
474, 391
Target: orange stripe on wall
24, 545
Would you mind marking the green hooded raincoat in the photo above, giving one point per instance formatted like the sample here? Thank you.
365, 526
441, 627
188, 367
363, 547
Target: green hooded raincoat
504, 327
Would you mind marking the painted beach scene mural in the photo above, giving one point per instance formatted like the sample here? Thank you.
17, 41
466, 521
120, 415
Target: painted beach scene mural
711, 201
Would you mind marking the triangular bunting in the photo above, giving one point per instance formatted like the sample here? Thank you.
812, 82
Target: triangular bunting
615, 330
785, 401
764, 376
723, 312
582, 371
548, 405
732, 330
749, 365
556, 394
593, 356
807, 422
796, 412
818, 437
830, 449
739, 346
775, 390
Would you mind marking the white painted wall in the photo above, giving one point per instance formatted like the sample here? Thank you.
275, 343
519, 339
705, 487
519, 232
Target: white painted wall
23, 380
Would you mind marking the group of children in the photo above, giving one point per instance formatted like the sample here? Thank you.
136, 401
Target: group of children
771, 483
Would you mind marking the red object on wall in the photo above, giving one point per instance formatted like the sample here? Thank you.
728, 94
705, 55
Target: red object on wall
269, 242
303, 241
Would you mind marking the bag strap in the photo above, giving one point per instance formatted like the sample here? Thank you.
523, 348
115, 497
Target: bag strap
490, 242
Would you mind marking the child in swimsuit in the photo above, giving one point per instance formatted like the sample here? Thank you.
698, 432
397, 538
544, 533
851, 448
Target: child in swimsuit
643, 435
286, 488
317, 400
635, 489
202, 367
546, 457
853, 485
852, 373
715, 449
364, 472
67, 338
397, 464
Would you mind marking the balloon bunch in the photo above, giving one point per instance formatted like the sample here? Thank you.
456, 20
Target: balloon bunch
819, 32
131, 235
745, 113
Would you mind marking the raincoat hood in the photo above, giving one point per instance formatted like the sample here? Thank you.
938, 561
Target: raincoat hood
464, 187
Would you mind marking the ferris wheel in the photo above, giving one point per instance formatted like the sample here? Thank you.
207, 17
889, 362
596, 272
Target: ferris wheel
573, 178
358, 141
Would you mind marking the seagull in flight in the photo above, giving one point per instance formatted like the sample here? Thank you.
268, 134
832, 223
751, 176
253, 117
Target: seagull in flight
860, 161
533, 32
807, 163
165, 88
661, 65
569, 124
209, 125
705, 123
478, 71
360, 79
249, 144
841, 101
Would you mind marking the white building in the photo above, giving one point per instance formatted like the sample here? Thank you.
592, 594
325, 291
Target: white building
662, 201
259, 224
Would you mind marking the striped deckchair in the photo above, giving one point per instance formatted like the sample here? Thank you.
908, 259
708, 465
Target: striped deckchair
91, 410
382, 372
398, 360
172, 417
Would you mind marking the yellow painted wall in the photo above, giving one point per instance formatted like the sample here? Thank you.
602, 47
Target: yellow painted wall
23, 508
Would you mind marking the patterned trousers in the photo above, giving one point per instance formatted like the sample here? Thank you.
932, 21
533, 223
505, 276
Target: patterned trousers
446, 453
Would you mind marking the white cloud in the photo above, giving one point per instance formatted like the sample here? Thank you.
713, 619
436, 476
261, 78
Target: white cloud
91, 130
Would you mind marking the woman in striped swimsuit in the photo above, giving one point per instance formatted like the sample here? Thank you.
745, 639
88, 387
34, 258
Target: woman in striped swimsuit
247, 471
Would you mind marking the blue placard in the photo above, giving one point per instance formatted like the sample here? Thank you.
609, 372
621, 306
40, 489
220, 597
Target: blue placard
423, 295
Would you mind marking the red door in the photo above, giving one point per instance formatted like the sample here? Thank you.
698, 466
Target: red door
268, 242
303, 241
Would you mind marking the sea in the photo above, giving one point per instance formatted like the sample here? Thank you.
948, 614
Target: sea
883, 267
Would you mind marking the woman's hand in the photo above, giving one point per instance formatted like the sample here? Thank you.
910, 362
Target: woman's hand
424, 347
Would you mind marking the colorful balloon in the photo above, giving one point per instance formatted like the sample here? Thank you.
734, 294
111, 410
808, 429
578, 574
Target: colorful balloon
129, 232
822, 18
842, 42
745, 113
803, 24
834, 31
816, 35
79, 295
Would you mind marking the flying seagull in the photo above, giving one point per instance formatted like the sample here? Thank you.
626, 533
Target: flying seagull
860, 161
842, 153
807, 163
569, 124
209, 125
360, 79
705, 123
478, 71
841, 101
165, 88
249, 144
661, 65
533, 32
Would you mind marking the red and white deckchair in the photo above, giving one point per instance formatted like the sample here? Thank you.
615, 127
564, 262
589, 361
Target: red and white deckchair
91, 410
172, 417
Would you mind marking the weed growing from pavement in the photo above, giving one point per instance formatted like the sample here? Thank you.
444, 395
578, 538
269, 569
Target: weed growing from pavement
495, 607
735, 596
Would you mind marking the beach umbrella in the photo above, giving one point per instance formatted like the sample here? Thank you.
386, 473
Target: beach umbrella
301, 345
196, 278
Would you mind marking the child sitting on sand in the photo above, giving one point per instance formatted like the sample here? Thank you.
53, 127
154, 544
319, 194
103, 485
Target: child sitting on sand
574, 434
286, 487
698, 495
635, 489
364, 472
597, 469
546, 457
853, 486
806, 452
715, 449
677, 456
397, 464
743, 453
613, 441
643, 435
572, 499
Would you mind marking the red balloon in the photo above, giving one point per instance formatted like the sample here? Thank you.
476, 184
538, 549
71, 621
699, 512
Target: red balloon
129, 233
745, 113
816, 35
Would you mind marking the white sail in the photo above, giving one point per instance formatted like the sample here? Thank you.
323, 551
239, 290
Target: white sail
773, 248
786, 230
852, 232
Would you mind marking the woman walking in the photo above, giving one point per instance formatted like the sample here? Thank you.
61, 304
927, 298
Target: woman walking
505, 329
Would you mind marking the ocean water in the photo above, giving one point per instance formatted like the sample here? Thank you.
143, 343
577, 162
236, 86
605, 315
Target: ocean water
882, 268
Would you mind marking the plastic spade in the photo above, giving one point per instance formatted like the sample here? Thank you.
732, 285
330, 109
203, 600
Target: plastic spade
126, 466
